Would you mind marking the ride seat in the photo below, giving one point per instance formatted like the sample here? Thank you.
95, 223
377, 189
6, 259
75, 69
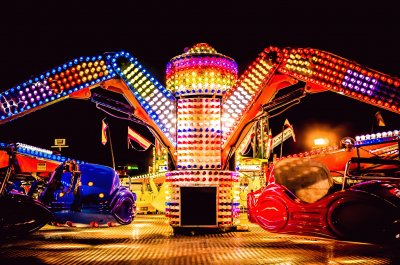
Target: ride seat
308, 179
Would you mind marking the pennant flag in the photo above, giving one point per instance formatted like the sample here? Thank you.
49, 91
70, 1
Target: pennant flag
287, 124
143, 142
379, 119
269, 144
104, 127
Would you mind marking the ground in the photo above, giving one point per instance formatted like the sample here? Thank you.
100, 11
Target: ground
150, 240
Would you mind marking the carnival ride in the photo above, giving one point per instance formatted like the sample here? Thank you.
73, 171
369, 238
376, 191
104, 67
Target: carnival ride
38, 187
351, 193
88, 194
20, 212
204, 112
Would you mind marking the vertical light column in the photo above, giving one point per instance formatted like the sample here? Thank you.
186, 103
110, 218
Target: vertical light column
199, 78
199, 133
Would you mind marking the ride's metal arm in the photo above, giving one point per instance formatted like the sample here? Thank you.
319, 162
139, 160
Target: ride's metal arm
75, 78
323, 71
320, 70
257, 86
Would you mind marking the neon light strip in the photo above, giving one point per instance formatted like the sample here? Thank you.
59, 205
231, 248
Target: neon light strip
39, 153
156, 100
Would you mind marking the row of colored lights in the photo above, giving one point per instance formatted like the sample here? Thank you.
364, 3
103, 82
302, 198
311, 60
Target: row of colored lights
53, 85
33, 148
319, 151
182, 134
240, 98
146, 176
231, 175
376, 138
42, 153
201, 142
188, 115
154, 98
344, 76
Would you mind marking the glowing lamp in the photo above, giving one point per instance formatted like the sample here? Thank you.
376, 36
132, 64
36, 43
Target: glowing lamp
321, 142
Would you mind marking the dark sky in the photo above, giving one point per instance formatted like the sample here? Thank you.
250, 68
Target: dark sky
37, 37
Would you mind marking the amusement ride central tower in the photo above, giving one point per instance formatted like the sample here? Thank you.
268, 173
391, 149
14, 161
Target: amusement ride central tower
201, 194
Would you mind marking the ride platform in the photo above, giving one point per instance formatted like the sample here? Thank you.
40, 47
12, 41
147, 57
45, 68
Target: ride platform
150, 240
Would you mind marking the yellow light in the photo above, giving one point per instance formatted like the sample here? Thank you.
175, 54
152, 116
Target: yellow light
61, 194
101, 195
321, 142
90, 183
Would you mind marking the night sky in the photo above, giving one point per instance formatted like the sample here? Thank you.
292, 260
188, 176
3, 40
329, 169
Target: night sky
37, 37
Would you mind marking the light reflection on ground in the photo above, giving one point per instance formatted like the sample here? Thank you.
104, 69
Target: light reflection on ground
149, 240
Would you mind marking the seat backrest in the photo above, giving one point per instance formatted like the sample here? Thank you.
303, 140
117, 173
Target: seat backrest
308, 179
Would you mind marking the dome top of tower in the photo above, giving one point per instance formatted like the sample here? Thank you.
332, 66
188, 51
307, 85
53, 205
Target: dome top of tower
201, 70
201, 48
